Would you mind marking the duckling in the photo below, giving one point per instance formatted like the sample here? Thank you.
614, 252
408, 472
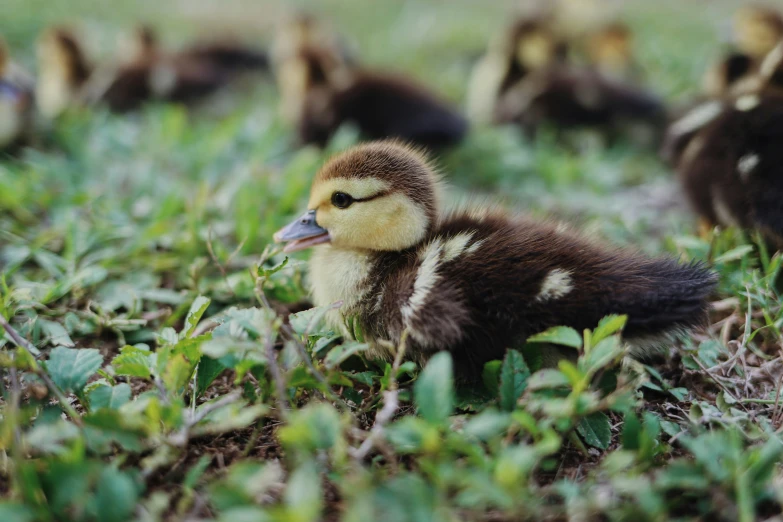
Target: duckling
228, 57
63, 71
757, 30
610, 51
731, 165
738, 77
474, 282
550, 91
529, 44
151, 74
295, 37
379, 104
16, 97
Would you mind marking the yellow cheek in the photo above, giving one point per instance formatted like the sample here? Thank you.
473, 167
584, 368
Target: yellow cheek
389, 223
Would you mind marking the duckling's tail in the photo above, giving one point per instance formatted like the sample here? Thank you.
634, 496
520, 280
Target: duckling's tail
663, 299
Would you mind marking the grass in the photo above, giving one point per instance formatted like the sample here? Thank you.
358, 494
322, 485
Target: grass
125, 241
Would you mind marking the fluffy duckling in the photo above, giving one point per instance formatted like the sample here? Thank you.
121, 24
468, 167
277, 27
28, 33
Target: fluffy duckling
731, 164
67, 79
63, 71
528, 45
381, 105
299, 35
610, 51
757, 30
16, 97
473, 282
228, 57
549, 91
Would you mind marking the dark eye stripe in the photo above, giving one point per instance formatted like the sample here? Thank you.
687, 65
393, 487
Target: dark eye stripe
374, 196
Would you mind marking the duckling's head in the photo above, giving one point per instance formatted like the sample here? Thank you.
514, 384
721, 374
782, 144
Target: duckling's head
534, 44
757, 29
62, 70
141, 44
378, 196
719, 79
611, 47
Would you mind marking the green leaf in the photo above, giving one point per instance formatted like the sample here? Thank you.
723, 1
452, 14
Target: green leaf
177, 373
111, 397
266, 272
303, 495
513, 379
632, 429
491, 377
115, 496
547, 378
488, 424
340, 353
734, 254
13, 512
434, 390
208, 370
70, 368
307, 321
609, 325
596, 430
197, 309
133, 362
56, 333
562, 335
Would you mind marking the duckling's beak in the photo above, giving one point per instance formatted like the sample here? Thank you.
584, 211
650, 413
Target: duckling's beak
302, 233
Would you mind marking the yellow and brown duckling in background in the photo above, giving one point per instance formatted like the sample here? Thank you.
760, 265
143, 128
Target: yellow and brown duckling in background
731, 165
328, 92
16, 103
66, 78
610, 51
472, 282
554, 93
227, 56
756, 31
528, 45
63, 71
300, 35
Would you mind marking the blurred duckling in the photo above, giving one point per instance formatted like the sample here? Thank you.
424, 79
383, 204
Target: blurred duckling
63, 71
529, 44
473, 282
228, 57
67, 79
731, 166
16, 103
551, 92
326, 93
610, 51
757, 30
298, 36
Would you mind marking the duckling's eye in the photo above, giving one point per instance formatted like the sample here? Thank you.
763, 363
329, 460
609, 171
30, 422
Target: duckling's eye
341, 200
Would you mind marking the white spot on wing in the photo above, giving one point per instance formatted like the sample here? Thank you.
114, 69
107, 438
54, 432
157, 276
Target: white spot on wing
456, 245
556, 284
746, 164
475, 246
426, 277
747, 102
722, 210
697, 118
